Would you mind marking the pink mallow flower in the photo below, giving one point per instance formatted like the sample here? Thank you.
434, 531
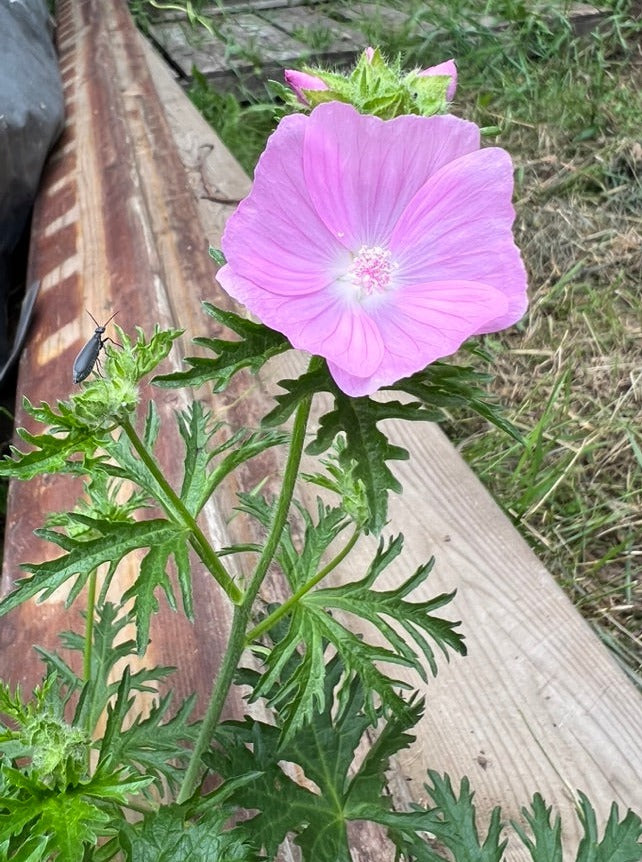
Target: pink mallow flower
379, 245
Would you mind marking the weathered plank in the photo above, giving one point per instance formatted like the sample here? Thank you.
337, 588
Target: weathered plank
244, 47
248, 47
243, 52
212, 10
115, 227
323, 37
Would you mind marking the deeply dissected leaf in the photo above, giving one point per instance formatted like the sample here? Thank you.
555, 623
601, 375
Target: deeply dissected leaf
366, 449
441, 386
67, 822
198, 433
546, 842
257, 344
378, 607
451, 822
457, 828
299, 565
53, 449
114, 542
70, 818
154, 745
152, 575
622, 839
294, 677
34, 849
108, 649
324, 750
173, 835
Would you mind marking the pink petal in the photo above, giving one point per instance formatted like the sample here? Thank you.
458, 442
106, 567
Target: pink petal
275, 237
361, 172
426, 322
321, 323
458, 227
447, 68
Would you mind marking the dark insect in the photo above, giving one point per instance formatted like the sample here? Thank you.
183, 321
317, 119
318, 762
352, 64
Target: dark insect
86, 359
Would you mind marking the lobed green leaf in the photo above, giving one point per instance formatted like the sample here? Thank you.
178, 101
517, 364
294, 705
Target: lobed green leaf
114, 542
294, 677
324, 749
155, 745
257, 344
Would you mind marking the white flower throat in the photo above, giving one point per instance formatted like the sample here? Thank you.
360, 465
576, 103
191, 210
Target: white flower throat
371, 271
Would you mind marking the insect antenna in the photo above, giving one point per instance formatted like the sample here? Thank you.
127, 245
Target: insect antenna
106, 322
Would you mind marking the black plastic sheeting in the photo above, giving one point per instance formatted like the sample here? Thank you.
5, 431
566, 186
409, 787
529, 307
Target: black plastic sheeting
31, 118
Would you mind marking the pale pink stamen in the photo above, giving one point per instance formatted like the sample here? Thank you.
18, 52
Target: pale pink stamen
371, 270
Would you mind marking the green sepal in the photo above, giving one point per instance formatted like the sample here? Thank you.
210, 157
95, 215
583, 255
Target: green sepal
133, 360
429, 92
380, 88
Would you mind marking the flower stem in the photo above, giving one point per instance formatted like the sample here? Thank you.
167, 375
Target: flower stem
87, 651
242, 612
222, 685
89, 627
176, 507
283, 609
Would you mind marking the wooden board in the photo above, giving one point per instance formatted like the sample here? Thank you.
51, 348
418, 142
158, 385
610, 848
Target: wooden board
252, 42
243, 46
137, 188
322, 35
248, 47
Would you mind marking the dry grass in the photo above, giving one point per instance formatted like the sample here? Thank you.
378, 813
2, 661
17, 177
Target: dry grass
572, 377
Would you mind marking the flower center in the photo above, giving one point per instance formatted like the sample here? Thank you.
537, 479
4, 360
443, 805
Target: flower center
371, 270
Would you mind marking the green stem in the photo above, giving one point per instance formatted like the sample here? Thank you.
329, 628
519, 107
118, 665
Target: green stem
283, 609
198, 541
242, 612
89, 627
89, 643
222, 685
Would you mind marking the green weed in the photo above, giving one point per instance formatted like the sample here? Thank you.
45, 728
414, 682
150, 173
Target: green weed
243, 127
